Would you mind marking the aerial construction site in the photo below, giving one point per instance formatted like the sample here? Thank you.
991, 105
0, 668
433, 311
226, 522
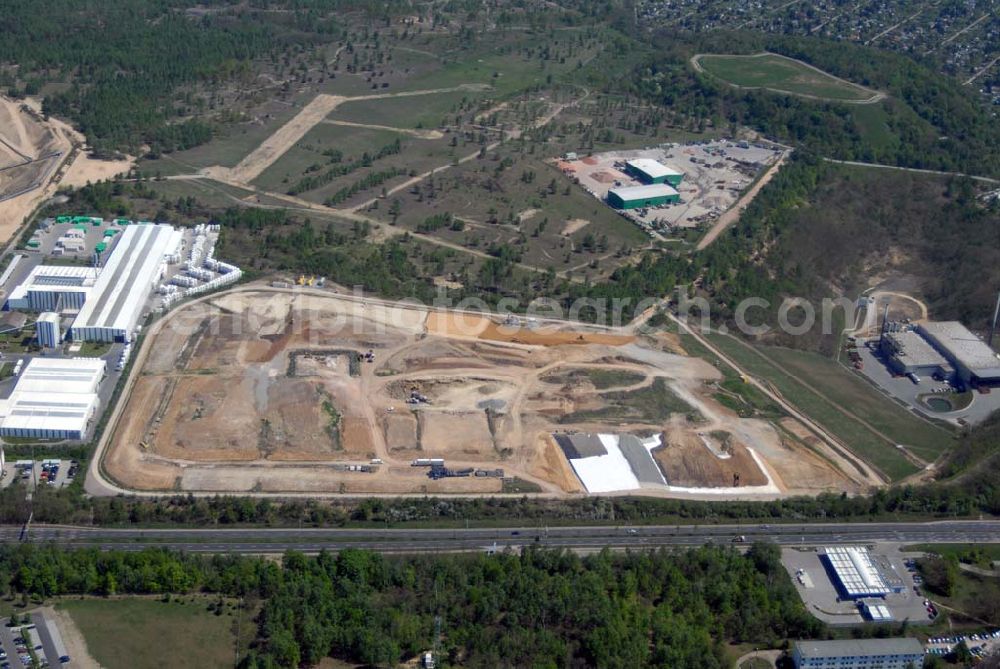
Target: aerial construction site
298, 390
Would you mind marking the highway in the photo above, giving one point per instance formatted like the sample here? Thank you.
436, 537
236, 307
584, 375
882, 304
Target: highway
312, 540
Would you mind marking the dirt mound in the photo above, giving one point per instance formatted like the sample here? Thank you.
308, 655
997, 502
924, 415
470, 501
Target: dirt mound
692, 461
468, 325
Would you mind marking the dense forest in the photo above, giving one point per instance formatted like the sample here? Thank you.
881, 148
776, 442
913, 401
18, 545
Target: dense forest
126, 72
538, 608
927, 121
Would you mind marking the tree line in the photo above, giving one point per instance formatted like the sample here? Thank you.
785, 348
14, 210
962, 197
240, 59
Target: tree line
543, 608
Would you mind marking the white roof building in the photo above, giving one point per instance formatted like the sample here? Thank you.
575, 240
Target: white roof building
627, 193
136, 263
653, 168
54, 398
858, 575
970, 354
48, 287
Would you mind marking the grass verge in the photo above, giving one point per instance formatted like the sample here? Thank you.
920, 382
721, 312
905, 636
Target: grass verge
828, 392
139, 633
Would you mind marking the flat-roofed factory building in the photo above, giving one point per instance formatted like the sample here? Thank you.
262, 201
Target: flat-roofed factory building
53, 288
909, 353
651, 171
855, 573
975, 363
637, 197
119, 295
899, 653
54, 398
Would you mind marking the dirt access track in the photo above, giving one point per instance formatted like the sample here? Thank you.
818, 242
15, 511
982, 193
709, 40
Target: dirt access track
267, 391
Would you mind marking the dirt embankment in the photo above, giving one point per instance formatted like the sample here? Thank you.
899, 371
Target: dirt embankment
480, 327
32, 151
694, 460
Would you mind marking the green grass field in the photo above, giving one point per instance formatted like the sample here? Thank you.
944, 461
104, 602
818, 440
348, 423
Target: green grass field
150, 634
829, 385
852, 392
779, 73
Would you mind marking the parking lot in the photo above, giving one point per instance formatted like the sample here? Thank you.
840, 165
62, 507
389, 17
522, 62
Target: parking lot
715, 173
823, 600
37, 637
980, 644
909, 393
54, 473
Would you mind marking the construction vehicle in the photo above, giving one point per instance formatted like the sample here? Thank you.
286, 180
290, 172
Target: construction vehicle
301, 280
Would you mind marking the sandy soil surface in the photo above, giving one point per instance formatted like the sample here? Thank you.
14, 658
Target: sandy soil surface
573, 225
277, 144
480, 327
85, 169
14, 133
27, 136
76, 645
706, 459
268, 391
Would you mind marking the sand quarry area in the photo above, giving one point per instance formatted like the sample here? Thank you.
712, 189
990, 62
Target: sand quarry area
269, 391
37, 156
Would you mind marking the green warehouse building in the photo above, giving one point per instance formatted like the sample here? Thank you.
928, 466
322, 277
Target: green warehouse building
634, 197
650, 171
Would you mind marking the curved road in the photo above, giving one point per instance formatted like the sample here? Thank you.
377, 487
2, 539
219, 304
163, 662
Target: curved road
405, 540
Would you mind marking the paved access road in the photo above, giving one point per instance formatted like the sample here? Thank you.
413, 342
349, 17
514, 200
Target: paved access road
277, 540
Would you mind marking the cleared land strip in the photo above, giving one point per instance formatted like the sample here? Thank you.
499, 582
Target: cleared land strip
981, 71
896, 25
961, 32
855, 163
287, 135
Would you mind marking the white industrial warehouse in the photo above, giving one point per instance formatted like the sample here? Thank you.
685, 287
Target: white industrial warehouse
975, 362
55, 398
856, 573
53, 288
119, 295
